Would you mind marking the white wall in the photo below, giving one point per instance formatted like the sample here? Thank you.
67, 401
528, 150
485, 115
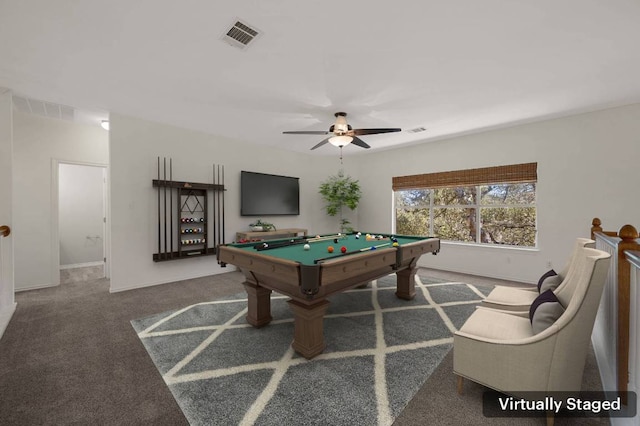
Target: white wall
571, 188
37, 142
81, 209
587, 167
7, 302
134, 147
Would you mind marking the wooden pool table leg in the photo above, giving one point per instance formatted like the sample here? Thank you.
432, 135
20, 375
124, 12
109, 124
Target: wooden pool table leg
258, 304
308, 336
406, 283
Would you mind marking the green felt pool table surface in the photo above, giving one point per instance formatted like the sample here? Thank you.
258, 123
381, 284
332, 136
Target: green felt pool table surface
309, 277
318, 250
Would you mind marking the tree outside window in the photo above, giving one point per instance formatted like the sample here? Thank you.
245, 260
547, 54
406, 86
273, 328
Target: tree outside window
486, 214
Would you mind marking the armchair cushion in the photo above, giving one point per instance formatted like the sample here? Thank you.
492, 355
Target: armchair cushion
547, 275
544, 311
551, 283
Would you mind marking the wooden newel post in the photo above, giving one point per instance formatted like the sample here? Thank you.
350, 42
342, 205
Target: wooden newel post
595, 227
628, 235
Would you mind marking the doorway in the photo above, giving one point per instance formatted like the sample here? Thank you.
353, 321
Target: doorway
81, 222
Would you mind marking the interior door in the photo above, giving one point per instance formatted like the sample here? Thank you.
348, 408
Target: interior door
7, 304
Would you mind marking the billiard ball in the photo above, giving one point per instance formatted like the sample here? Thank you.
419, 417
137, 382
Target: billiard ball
306, 247
395, 244
357, 236
330, 249
343, 249
265, 245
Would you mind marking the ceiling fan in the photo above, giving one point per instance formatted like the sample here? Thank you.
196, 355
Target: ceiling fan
342, 133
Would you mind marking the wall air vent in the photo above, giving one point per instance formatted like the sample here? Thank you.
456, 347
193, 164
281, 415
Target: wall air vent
241, 34
417, 130
45, 109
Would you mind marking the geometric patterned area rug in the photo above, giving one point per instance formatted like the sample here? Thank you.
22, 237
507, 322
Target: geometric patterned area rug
380, 350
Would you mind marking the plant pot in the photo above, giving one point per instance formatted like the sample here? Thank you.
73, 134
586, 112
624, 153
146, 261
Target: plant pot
257, 228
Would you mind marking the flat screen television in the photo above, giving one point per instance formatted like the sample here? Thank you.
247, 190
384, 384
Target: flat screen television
263, 194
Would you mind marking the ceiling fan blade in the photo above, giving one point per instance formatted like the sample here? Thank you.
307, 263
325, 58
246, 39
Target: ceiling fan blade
359, 132
359, 142
307, 132
324, 141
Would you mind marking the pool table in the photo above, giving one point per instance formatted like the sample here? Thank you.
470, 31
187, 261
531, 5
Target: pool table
310, 275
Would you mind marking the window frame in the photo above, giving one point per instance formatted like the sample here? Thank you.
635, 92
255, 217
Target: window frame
525, 173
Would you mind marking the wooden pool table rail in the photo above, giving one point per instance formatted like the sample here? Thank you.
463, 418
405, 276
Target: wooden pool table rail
308, 286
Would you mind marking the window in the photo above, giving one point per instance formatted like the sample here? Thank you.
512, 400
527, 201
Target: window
494, 205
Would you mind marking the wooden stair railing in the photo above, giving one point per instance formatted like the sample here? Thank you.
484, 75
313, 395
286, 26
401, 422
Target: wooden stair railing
628, 241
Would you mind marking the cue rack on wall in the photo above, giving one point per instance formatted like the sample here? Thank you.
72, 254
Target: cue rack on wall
189, 223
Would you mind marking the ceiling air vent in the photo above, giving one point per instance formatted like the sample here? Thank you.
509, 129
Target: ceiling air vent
240, 35
417, 130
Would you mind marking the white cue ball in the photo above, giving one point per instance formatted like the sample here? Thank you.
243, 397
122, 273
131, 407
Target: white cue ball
306, 246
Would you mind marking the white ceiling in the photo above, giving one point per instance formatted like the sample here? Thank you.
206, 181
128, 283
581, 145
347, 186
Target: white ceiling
452, 67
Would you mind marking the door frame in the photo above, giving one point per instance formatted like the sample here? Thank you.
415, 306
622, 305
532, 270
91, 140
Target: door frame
7, 283
55, 216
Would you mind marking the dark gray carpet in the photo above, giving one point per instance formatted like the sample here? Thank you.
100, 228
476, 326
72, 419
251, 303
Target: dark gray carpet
69, 356
380, 350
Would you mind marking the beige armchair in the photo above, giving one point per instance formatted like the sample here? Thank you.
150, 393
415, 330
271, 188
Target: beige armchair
518, 299
501, 351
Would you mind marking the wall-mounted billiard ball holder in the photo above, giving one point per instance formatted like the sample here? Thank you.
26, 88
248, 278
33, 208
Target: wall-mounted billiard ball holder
187, 227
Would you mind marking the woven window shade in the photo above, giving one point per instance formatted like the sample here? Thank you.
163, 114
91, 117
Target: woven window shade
515, 173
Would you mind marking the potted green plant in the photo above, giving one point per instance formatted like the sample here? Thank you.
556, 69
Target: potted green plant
340, 191
259, 225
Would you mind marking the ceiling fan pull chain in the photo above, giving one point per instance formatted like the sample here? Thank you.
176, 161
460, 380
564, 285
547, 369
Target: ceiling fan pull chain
341, 155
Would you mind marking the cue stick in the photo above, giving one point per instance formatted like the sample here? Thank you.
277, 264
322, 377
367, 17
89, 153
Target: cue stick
279, 244
171, 208
293, 241
329, 237
222, 222
372, 247
165, 207
351, 252
218, 192
213, 212
159, 227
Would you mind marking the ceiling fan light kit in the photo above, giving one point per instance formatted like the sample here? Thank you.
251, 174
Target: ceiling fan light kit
340, 141
342, 132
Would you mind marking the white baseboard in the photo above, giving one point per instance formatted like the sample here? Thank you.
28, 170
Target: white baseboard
228, 268
5, 316
476, 273
82, 265
35, 287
